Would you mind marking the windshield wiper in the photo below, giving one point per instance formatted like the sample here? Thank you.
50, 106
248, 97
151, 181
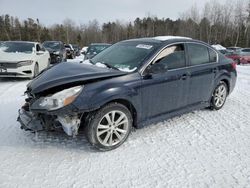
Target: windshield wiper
110, 66
91, 61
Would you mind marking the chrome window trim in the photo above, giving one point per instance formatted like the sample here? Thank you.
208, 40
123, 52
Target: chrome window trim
141, 71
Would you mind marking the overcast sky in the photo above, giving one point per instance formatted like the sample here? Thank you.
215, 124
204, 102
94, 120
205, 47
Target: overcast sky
81, 11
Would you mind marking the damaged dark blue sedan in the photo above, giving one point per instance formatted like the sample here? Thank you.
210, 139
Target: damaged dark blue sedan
131, 84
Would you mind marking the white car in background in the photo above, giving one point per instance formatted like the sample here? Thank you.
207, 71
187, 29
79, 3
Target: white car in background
22, 59
84, 49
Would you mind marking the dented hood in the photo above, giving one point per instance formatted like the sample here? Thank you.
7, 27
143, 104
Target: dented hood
69, 73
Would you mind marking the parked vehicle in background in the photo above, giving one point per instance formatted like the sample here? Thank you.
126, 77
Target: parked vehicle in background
222, 49
70, 53
130, 84
235, 55
94, 49
57, 51
76, 49
234, 48
84, 50
218, 47
228, 53
231, 52
22, 59
244, 56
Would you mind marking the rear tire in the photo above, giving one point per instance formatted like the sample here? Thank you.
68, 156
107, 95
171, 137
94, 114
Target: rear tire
109, 127
219, 96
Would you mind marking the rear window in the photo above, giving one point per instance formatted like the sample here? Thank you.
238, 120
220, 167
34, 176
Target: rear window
52, 45
245, 52
198, 54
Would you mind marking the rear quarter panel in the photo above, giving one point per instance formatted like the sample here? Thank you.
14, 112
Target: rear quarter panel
226, 72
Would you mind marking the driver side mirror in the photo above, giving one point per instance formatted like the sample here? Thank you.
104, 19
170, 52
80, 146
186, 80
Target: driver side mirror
156, 68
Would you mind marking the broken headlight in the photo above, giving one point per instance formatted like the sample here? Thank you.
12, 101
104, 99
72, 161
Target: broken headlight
60, 99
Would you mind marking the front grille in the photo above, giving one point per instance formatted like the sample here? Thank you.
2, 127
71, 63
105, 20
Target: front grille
8, 65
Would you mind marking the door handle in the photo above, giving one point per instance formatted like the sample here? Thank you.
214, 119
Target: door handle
184, 77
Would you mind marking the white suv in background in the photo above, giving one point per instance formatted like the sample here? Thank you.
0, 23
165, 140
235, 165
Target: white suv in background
22, 59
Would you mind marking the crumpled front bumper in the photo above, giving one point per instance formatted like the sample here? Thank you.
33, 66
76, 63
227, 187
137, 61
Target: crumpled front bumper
28, 121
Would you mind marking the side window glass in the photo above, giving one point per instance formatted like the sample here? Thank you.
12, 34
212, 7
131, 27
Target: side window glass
198, 54
172, 57
212, 55
41, 48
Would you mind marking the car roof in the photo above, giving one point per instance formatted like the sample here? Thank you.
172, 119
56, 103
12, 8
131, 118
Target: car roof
53, 41
160, 39
165, 40
18, 41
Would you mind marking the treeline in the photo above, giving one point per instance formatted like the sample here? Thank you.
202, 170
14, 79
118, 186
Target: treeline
227, 24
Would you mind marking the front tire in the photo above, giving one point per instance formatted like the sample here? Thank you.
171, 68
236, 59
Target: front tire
109, 127
219, 96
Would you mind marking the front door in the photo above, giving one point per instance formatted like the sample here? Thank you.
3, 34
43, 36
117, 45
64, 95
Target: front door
165, 83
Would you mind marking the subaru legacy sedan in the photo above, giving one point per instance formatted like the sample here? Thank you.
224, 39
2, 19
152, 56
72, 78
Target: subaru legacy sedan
133, 83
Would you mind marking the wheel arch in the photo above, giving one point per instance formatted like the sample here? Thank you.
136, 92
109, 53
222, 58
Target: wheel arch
128, 104
226, 81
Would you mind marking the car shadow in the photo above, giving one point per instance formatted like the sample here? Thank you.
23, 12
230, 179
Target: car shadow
58, 140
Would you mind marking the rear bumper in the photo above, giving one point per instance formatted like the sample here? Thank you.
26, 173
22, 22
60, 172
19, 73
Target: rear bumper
28, 121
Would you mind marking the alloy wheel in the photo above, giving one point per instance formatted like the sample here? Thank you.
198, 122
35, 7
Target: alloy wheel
220, 95
113, 128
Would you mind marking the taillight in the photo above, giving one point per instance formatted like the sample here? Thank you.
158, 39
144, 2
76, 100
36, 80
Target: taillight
234, 64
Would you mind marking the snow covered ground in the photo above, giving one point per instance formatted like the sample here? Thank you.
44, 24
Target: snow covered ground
200, 149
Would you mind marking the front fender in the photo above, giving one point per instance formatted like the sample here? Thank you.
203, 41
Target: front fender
98, 99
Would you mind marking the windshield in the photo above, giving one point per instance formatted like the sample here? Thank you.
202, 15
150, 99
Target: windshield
52, 45
126, 56
17, 47
96, 48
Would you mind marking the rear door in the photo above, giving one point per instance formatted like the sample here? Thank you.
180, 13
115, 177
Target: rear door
203, 66
164, 89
